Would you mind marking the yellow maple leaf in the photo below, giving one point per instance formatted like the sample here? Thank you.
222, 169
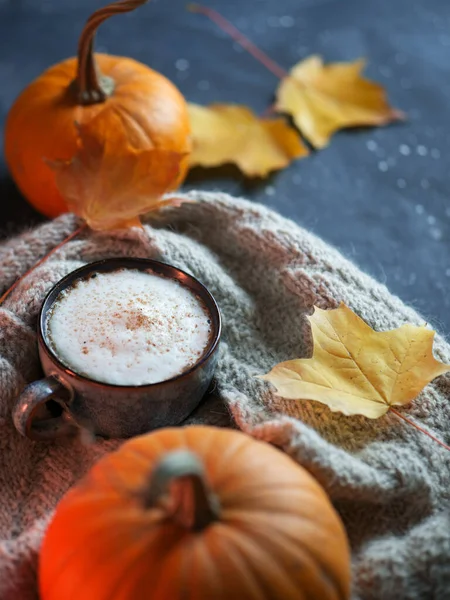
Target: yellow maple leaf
109, 183
234, 134
356, 370
325, 98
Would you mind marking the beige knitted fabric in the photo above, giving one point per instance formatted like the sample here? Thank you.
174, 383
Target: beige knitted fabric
389, 482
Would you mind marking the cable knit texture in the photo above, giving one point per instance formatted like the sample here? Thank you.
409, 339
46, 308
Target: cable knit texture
389, 482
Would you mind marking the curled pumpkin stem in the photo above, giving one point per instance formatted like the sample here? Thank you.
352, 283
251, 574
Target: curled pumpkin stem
90, 85
178, 482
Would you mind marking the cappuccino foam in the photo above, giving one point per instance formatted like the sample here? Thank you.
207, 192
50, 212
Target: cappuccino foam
128, 327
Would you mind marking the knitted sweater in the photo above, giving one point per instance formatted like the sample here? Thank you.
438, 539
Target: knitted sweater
389, 482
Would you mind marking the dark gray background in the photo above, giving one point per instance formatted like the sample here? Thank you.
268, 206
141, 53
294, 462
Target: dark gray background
380, 195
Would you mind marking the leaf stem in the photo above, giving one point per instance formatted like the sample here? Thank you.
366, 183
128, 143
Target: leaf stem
42, 260
418, 427
240, 38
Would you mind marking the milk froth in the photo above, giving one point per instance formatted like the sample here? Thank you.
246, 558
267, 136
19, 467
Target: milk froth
128, 327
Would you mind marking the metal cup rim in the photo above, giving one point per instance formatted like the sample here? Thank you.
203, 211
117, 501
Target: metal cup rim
143, 264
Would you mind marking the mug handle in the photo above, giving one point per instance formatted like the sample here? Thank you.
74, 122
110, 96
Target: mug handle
33, 419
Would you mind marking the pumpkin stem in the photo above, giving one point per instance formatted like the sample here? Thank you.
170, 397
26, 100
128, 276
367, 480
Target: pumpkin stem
178, 483
90, 85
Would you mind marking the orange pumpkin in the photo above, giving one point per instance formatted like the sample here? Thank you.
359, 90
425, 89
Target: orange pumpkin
195, 513
141, 108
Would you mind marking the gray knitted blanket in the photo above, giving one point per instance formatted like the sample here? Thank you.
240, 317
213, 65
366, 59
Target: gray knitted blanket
389, 482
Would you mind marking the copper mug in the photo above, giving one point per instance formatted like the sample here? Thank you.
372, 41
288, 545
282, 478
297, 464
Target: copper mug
65, 402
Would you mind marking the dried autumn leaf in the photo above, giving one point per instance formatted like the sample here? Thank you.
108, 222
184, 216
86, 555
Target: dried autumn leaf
325, 98
234, 134
109, 183
356, 370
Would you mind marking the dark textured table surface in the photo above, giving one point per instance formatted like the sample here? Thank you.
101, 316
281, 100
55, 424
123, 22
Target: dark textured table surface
379, 195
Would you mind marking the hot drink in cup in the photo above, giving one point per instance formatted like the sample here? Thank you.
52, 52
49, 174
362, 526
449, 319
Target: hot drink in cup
128, 327
127, 345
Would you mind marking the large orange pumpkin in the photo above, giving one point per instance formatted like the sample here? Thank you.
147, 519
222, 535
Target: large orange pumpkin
43, 124
195, 513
